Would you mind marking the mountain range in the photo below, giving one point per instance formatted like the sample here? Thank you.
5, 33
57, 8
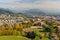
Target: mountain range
5, 11
29, 11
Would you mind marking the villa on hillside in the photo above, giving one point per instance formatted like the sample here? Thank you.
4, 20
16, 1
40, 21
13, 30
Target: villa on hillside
37, 25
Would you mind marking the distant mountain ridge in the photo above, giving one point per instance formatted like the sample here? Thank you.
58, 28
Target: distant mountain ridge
29, 11
34, 11
5, 11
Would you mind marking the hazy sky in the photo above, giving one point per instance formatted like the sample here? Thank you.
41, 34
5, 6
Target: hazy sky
30, 4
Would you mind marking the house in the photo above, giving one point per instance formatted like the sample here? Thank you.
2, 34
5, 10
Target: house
37, 25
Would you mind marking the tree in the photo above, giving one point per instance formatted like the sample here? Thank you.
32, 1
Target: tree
26, 25
58, 34
37, 38
49, 29
29, 24
16, 26
15, 32
30, 35
19, 27
49, 23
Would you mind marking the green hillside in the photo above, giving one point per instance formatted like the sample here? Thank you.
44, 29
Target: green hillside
13, 38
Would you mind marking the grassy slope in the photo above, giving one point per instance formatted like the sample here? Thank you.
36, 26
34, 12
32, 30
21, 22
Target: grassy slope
13, 38
22, 38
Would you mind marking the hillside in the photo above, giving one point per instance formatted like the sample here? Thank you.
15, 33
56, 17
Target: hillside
5, 11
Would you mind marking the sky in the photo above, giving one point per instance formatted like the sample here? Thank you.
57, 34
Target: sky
30, 4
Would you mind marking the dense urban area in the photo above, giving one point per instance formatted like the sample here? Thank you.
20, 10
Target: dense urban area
29, 27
